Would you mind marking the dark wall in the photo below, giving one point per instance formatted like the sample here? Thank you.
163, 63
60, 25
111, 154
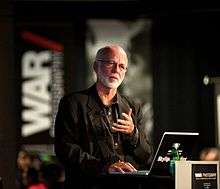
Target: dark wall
175, 75
8, 98
185, 50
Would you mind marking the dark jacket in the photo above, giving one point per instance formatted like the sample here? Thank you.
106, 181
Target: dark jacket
84, 146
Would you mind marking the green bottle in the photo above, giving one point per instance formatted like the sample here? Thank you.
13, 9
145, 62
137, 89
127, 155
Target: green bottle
174, 156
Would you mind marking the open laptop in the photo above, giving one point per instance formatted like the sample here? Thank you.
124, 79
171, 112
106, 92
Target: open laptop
187, 142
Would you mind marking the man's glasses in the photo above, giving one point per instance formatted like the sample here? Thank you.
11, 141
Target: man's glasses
110, 64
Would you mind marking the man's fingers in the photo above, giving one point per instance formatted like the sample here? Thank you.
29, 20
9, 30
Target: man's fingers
122, 122
119, 130
121, 167
131, 166
118, 169
122, 128
129, 113
126, 116
128, 168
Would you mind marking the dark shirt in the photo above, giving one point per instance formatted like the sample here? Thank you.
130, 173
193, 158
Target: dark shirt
111, 116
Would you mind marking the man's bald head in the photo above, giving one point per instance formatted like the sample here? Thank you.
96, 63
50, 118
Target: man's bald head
111, 51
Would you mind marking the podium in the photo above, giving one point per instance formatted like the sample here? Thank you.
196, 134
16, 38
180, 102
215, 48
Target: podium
136, 182
197, 174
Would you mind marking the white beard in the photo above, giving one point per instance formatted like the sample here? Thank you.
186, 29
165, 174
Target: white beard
113, 84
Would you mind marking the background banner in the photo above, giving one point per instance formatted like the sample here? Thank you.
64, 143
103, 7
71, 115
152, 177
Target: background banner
40, 56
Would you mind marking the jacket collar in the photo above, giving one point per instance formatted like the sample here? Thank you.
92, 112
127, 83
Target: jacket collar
94, 102
123, 105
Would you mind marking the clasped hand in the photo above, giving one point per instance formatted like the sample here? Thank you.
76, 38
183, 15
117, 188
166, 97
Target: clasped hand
125, 125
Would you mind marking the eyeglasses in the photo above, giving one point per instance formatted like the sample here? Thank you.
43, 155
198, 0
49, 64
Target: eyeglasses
110, 64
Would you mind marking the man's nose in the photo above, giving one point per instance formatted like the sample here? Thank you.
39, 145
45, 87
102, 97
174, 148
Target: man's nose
116, 68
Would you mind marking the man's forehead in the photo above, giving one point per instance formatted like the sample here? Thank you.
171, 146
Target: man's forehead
111, 53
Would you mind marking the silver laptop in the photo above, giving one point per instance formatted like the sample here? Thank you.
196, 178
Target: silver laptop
187, 149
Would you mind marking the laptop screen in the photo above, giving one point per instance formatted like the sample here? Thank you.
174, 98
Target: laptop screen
184, 142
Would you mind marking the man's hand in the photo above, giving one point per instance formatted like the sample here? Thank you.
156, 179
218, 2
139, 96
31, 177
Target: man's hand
121, 167
125, 125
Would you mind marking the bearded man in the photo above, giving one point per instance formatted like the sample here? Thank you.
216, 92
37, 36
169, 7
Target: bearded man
99, 131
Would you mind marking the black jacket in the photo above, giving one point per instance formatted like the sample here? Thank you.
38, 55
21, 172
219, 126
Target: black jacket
84, 146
